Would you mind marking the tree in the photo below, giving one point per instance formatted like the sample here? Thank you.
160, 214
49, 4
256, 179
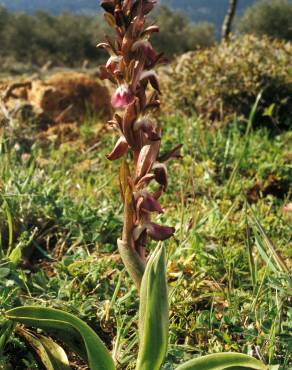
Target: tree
178, 35
227, 24
268, 17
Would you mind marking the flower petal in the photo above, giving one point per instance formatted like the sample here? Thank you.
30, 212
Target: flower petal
288, 207
128, 121
145, 180
147, 157
149, 30
105, 74
119, 150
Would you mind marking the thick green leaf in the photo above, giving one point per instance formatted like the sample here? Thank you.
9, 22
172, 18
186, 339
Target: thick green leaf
153, 313
70, 329
50, 362
56, 353
222, 361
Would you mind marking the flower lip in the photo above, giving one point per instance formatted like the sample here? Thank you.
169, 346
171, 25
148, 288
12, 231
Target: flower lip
122, 97
159, 232
147, 203
148, 126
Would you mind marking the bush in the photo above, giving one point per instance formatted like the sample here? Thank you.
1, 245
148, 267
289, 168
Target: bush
222, 81
268, 17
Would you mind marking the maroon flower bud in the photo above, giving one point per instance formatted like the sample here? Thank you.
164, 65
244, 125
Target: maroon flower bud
119, 16
144, 7
160, 173
145, 46
108, 5
127, 6
149, 30
145, 181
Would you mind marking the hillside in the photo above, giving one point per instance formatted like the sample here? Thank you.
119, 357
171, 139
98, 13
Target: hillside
198, 10
201, 10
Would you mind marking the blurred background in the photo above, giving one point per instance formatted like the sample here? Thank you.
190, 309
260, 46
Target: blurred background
65, 32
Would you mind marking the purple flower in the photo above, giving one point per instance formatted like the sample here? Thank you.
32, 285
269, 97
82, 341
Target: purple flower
122, 97
159, 232
154, 231
147, 203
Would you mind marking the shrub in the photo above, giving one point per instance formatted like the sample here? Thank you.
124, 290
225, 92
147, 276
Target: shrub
268, 17
224, 80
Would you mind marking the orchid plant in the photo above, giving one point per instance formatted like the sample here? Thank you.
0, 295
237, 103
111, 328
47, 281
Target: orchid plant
130, 68
136, 99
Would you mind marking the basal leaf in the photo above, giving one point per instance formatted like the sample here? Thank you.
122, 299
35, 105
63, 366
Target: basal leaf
153, 314
222, 361
56, 353
70, 329
40, 350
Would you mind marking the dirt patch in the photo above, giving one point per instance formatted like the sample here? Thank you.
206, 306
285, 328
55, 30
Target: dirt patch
60, 133
68, 97
274, 186
64, 97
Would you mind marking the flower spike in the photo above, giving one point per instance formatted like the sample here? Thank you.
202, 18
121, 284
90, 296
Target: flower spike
131, 67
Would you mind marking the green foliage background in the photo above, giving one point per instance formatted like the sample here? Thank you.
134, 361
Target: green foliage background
69, 39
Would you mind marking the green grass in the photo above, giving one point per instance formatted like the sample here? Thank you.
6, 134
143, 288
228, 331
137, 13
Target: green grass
60, 216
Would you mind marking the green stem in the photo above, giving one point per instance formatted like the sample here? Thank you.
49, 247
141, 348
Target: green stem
133, 262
